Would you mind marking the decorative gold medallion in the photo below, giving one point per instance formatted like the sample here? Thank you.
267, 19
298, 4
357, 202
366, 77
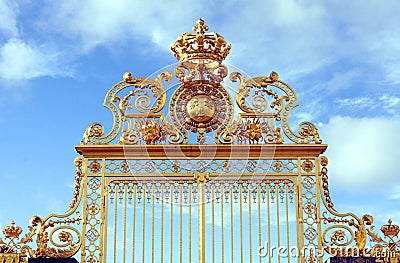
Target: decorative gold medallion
201, 107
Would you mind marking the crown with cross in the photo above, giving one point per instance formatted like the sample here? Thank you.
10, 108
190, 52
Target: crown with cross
201, 45
12, 231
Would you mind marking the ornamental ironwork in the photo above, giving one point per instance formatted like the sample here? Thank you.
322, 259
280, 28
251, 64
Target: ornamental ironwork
200, 165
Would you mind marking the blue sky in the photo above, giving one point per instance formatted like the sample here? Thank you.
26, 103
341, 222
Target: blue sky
59, 58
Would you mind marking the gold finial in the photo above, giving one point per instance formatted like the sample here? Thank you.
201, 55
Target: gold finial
12, 231
200, 28
201, 45
127, 76
390, 229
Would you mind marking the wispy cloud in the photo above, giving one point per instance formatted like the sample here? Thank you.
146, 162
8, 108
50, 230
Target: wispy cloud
8, 18
384, 104
357, 103
296, 38
95, 23
22, 61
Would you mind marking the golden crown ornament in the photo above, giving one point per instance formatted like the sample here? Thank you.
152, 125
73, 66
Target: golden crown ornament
12, 231
201, 104
390, 229
201, 45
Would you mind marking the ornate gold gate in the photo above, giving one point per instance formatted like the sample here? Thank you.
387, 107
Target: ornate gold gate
201, 177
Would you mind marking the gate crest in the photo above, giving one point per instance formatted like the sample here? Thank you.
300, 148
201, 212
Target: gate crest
200, 103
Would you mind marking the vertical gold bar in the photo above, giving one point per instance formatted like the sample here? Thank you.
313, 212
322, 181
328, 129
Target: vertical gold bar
299, 211
134, 221
171, 222
222, 223
259, 218
318, 200
125, 185
162, 224
202, 224
115, 222
277, 217
287, 219
180, 224
190, 222
212, 223
144, 223
268, 189
250, 223
241, 222
105, 216
84, 207
232, 239
152, 222
103, 220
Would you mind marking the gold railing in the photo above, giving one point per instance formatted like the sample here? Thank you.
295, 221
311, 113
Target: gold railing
172, 221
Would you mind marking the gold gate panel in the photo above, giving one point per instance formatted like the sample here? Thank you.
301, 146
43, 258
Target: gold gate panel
197, 210
159, 222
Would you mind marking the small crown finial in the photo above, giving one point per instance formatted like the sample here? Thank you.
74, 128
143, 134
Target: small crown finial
201, 45
390, 229
12, 231
200, 28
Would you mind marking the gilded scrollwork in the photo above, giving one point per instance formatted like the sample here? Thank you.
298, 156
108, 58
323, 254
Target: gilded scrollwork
153, 129
345, 221
69, 238
55, 236
201, 104
252, 130
94, 134
386, 248
78, 180
308, 130
93, 131
325, 184
281, 105
143, 101
259, 102
344, 232
188, 71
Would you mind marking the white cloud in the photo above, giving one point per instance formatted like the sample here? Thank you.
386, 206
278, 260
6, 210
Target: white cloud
358, 103
363, 152
8, 18
95, 23
22, 61
388, 104
293, 37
